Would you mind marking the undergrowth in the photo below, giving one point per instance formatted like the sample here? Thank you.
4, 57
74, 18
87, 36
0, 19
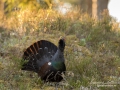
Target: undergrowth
92, 50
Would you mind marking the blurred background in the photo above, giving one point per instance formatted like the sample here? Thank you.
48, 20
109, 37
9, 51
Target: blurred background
93, 7
113, 7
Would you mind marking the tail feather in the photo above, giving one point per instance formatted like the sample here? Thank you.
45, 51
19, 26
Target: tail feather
38, 54
33, 50
40, 51
31, 65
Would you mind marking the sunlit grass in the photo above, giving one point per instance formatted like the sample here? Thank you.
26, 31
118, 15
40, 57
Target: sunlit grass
91, 53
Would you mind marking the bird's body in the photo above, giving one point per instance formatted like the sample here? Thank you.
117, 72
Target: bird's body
46, 59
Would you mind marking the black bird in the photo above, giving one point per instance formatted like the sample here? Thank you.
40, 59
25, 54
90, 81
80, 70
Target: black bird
46, 59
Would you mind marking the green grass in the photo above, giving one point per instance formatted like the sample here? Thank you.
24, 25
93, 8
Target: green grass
92, 49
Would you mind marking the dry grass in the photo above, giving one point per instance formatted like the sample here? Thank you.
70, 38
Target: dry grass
92, 48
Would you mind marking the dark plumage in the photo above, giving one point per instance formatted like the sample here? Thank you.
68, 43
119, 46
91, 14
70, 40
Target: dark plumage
46, 59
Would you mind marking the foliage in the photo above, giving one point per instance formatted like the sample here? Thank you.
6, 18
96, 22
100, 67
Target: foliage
14, 5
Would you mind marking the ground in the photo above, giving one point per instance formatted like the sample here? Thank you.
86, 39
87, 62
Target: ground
91, 53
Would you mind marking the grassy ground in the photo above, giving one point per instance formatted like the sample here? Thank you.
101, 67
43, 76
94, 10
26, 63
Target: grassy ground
92, 50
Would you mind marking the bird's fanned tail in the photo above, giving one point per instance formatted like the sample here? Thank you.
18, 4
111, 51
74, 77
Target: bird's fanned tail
37, 54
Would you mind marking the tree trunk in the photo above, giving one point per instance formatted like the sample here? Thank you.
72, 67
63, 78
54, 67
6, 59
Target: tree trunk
86, 6
101, 6
1, 6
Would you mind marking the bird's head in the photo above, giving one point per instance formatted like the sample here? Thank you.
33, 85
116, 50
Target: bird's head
61, 44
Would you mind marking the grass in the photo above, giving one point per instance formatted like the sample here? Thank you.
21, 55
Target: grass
91, 53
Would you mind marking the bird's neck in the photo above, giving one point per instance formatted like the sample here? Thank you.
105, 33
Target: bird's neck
60, 52
58, 56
